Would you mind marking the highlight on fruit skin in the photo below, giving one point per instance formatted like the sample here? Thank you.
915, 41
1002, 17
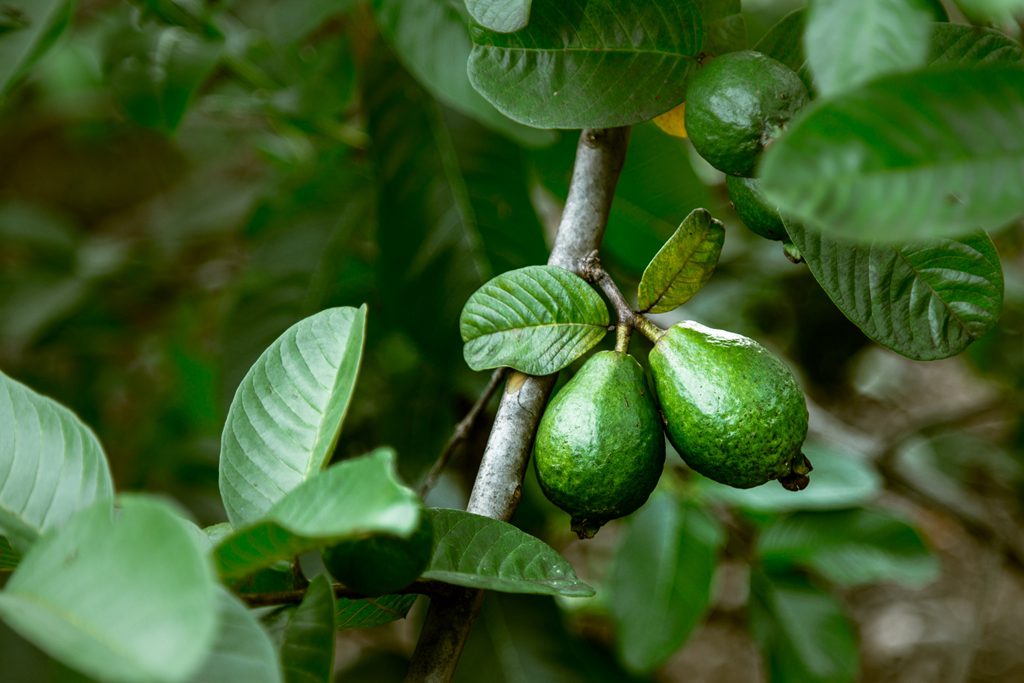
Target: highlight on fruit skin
733, 411
600, 450
736, 104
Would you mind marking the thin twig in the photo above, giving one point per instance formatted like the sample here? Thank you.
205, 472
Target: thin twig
462, 431
599, 158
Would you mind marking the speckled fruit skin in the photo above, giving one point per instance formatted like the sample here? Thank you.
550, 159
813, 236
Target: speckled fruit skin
736, 104
600, 449
381, 564
732, 409
754, 210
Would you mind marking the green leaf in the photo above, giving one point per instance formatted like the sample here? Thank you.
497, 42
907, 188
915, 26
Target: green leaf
242, 651
286, 415
371, 612
965, 45
660, 582
995, 10
839, 480
850, 43
480, 552
909, 156
684, 264
9, 557
804, 632
784, 42
590, 63
850, 547
431, 38
536, 320
122, 596
725, 29
351, 498
926, 300
503, 16
52, 464
308, 648
153, 72
27, 29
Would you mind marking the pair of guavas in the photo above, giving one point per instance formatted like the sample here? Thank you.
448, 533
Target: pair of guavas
732, 410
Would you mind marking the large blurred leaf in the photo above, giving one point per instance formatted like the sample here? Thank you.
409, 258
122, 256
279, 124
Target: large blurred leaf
123, 596
839, 480
926, 300
372, 611
286, 416
660, 583
907, 156
850, 547
848, 43
684, 265
431, 37
307, 652
504, 16
597, 63
958, 44
725, 29
785, 40
27, 29
521, 639
52, 465
154, 71
480, 552
804, 632
995, 10
351, 498
536, 319
9, 557
242, 650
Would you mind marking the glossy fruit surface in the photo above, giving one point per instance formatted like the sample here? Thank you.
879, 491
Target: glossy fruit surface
736, 104
381, 564
600, 449
732, 409
753, 208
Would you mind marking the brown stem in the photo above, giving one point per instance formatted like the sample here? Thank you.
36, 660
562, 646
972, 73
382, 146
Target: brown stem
462, 431
600, 155
294, 597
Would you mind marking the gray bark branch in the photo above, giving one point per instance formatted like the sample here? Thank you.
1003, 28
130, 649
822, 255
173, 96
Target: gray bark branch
600, 155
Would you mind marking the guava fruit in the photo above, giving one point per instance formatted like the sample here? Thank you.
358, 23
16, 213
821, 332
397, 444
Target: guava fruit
738, 103
599, 449
381, 564
732, 409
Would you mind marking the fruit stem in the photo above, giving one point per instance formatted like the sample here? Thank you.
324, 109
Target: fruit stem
622, 334
648, 328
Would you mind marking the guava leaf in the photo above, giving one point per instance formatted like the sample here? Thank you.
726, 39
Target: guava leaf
286, 415
850, 547
536, 320
51, 464
926, 301
502, 16
9, 557
966, 45
590, 63
660, 583
351, 498
371, 612
307, 652
725, 29
431, 39
908, 156
126, 595
849, 43
27, 29
684, 265
480, 552
1003, 11
805, 633
784, 41
242, 650
839, 480
154, 71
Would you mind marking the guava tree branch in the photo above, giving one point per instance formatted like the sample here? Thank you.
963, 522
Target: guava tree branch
600, 155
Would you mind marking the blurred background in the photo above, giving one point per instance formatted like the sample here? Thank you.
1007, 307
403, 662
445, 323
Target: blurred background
181, 180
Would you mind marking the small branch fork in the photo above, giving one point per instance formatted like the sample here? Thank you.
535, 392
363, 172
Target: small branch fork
627, 318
